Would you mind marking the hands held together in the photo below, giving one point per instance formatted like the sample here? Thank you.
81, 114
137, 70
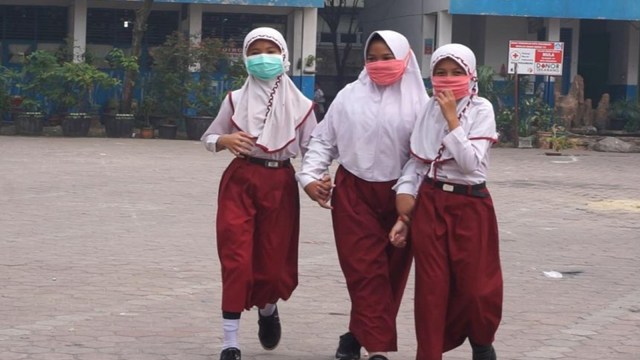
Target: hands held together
399, 233
320, 191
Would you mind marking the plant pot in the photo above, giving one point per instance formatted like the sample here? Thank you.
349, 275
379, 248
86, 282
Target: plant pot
29, 123
197, 125
543, 139
156, 120
167, 131
525, 142
147, 133
76, 125
119, 125
617, 124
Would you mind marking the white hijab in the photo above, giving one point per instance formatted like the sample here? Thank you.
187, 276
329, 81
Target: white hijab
276, 127
431, 128
371, 124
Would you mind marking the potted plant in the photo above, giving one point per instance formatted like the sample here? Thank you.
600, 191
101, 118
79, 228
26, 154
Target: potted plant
169, 83
536, 116
558, 140
624, 115
7, 78
120, 124
204, 99
144, 112
80, 81
36, 83
504, 124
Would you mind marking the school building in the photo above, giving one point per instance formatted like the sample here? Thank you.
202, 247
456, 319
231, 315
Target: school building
601, 38
97, 26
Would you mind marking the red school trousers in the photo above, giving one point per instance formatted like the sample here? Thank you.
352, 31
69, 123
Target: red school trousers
458, 274
257, 231
376, 272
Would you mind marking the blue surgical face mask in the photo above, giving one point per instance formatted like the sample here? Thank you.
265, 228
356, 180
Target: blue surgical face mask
265, 66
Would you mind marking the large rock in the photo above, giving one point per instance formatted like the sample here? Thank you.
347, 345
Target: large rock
601, 116
570, 107
611, 144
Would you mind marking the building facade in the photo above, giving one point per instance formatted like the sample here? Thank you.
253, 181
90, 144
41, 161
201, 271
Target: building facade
97, 26
601, 38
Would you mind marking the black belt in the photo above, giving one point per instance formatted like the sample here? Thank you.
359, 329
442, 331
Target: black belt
271, 164
477, 190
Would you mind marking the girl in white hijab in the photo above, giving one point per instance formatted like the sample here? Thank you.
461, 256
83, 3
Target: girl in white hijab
367, 129
264, 124
454, 233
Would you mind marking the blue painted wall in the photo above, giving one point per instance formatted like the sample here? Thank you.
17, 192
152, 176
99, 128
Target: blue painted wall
579, 9
306, 84
618, 92
288, 3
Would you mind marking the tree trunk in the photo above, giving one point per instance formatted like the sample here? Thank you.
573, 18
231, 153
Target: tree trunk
139, 28
332, 13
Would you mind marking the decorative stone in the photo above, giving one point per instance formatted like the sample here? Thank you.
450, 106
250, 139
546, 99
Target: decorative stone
601, 113
611, 144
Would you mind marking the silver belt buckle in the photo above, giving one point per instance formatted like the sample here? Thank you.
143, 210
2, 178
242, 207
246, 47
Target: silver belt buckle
272, 164
447, 187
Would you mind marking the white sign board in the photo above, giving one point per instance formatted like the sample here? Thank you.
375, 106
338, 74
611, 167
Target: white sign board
536, 57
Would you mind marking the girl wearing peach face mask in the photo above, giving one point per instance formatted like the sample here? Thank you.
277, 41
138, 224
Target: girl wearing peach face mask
367, 130
454, 233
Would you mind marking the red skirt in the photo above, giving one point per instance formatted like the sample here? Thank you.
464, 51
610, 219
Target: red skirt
257, 231
375, 271
458, 275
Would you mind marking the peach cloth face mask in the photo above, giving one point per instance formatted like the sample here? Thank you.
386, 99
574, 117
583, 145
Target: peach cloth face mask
458, 84
386, 72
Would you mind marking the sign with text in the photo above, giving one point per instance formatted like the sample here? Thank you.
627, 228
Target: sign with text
536, 57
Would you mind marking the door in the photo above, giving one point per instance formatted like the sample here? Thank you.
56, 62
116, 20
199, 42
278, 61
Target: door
593, 58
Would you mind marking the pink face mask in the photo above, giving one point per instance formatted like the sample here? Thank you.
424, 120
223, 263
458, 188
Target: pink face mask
458, 84
386, 72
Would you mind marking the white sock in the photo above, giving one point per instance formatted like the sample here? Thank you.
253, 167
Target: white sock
230, 327
268, 310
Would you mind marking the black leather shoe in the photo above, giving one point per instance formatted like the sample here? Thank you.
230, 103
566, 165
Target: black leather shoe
230, 354
269, 330
348, 347
483, 352
378, 357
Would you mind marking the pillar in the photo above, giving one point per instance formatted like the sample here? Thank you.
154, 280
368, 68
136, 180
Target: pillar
302, 45
79, 29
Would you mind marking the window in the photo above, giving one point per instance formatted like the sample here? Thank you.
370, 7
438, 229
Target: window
234, 27
348, 38
106, 26
33, 23
326, 37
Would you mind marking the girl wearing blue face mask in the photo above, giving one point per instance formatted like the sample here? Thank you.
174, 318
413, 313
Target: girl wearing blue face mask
263, 124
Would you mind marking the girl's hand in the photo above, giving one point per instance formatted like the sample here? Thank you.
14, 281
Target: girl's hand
238, 143
398, 234
448, 103
320, 191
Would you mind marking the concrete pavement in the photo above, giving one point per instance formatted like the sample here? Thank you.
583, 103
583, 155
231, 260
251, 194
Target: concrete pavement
107, 252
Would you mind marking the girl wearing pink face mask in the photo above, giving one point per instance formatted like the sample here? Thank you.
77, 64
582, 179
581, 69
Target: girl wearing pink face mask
366, 130
454, 231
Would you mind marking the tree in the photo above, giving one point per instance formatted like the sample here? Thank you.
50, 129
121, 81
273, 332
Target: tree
333, 13
139, 28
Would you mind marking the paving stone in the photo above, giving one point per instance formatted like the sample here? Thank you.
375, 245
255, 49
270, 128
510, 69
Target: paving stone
108, 252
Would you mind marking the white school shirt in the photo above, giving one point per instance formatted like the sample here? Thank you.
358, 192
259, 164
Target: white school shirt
465, 156
373, 147
223, 124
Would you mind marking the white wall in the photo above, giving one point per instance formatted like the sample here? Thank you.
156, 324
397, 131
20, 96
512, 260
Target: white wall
405, 17
499, 30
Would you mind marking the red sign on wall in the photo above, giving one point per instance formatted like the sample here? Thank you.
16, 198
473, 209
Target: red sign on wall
536, 57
